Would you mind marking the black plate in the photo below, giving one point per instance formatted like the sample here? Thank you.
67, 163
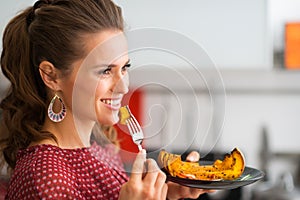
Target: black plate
250, 175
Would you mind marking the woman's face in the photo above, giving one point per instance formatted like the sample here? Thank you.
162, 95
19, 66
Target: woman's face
99, 81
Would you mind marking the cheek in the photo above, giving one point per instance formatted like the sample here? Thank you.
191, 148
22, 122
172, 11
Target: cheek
126, 80
101, 90
83, 98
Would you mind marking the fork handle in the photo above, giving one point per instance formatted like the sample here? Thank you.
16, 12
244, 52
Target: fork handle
140, 147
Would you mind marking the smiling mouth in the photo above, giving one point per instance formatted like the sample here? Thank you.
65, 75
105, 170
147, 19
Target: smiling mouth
111, 102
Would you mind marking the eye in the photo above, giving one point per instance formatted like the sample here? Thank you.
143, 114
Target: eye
105, 71
125, 67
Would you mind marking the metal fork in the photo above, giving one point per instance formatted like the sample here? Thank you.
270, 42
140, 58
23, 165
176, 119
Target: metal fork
135, 130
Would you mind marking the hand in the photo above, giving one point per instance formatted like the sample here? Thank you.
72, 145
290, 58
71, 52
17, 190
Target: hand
176, 191
148, 186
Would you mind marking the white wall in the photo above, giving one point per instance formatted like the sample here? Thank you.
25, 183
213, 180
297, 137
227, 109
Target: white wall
8, 10
235, 33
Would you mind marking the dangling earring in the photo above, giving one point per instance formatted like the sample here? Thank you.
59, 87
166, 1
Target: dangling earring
57, 117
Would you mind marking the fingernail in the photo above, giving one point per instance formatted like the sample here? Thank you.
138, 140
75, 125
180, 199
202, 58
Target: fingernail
143, 151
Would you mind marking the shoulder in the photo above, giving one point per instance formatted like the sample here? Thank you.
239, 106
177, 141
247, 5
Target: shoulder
45, 160
42, 170
41, 157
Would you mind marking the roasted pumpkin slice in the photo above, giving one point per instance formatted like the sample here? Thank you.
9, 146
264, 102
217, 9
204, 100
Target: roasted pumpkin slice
230, 168
124, 114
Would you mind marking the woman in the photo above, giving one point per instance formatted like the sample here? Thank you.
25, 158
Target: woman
67, 63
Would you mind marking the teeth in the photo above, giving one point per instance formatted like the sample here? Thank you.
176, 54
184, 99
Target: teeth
106, 101
110, 102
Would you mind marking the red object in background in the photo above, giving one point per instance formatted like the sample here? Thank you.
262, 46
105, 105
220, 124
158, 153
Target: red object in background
292, 45
128, 148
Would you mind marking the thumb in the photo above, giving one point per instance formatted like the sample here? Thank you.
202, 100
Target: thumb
138, 166
194, 156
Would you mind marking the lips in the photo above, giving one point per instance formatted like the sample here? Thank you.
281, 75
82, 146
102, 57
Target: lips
113, 103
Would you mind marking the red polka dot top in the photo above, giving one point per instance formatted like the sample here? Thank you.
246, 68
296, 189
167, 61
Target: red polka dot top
49, 172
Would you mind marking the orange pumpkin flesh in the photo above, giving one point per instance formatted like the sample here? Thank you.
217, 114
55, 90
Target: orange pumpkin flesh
124, 114
230, 168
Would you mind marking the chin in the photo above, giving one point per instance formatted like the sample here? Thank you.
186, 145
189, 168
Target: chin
108, 118
109, 121
115, 118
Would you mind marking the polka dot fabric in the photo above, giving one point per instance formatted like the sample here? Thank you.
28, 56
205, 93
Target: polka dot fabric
49, 172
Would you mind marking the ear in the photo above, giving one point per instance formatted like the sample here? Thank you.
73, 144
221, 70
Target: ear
49, 75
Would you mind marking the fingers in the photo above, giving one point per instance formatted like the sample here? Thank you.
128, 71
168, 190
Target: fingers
176, 191
210, 191
154, 175
164, 191
138, 166
194, 193
156, 179
194, 156
152, 185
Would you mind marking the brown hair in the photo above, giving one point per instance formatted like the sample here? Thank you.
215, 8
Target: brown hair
49, 30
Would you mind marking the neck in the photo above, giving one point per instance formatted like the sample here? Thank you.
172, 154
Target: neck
70, 133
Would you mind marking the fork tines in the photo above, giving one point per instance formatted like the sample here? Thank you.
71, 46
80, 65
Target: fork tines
135, 129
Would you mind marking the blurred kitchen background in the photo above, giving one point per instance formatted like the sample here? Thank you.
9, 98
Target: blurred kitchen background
245, 93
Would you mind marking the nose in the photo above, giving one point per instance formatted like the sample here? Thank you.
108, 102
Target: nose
121, 83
